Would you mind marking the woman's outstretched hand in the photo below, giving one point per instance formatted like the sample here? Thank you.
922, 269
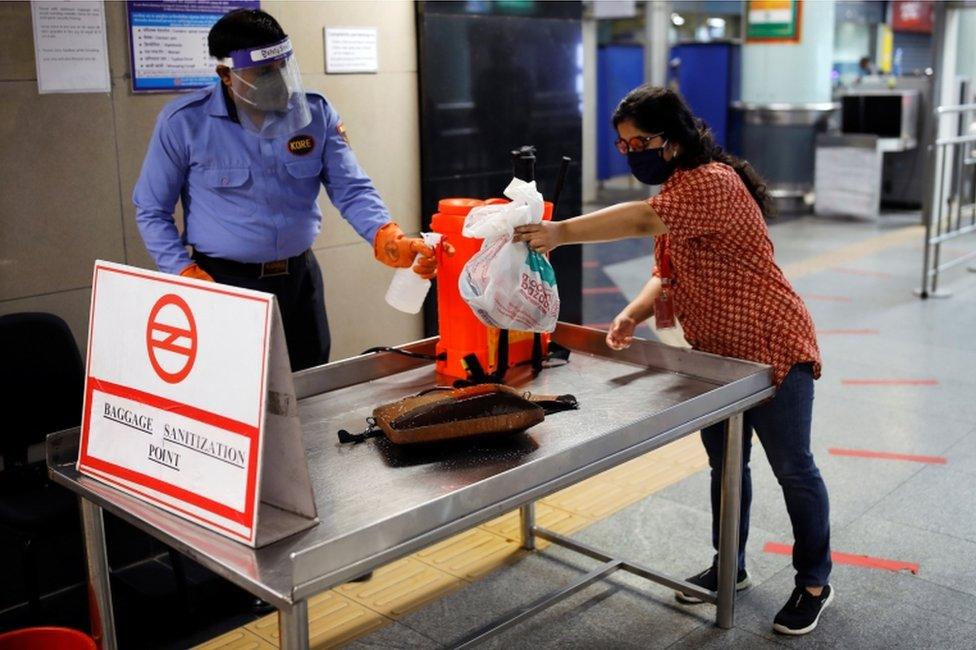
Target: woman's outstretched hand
621, 333
541, 237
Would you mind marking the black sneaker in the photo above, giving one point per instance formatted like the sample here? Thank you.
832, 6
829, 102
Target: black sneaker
800, 615
708, 580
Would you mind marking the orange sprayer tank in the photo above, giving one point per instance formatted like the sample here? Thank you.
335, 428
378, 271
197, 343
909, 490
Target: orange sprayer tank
461, 333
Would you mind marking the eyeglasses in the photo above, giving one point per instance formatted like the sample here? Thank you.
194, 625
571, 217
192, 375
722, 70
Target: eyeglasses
637, 143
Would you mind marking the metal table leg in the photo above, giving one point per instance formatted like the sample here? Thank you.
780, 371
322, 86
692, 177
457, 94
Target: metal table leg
293, 627
728, 545
527, 518
99, 589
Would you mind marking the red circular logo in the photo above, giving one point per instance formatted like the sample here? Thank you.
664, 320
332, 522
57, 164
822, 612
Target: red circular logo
171, 321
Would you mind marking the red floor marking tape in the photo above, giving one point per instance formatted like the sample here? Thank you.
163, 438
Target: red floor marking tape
874, 274
890, 382
591, 264
593, 291
886, 455
854, 332
817, 296
849, 558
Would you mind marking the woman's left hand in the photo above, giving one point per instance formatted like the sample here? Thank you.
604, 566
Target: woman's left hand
541, 237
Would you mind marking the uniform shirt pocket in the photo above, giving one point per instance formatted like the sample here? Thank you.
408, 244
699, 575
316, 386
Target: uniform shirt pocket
229, 192
304, 169
227, 177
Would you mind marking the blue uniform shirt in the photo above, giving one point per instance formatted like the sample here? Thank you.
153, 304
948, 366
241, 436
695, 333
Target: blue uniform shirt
246, 198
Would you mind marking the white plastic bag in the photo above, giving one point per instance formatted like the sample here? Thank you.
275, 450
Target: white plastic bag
506, 284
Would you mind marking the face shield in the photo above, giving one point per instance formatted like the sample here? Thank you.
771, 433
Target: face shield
267, 89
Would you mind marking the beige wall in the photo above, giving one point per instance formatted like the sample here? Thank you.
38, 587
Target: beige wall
68, 164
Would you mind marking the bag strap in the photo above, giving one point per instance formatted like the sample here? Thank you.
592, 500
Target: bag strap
501, 366
372, 431
537, 353
477, 374
554, 403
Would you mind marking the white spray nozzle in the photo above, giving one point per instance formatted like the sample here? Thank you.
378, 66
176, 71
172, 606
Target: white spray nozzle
432, 239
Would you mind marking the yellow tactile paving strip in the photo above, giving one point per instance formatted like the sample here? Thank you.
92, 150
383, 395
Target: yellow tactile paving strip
399, 588
333, 620
851, 252
356, 609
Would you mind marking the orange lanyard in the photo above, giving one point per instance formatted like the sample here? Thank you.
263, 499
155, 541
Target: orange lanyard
664, 268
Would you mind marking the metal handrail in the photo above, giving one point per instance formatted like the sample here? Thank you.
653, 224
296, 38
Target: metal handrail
959, 139
961, 108
953, 210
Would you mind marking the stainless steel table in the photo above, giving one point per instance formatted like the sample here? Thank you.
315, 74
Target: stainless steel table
377, 502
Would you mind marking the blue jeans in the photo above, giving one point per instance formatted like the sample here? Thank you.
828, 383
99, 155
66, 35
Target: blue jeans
783, 427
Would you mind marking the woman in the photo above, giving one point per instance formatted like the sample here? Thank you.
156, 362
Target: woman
715, 272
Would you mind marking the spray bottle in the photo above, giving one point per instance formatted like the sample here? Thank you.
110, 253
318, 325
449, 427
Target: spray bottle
408, 290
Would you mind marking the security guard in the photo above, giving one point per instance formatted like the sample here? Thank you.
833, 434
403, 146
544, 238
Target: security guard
246, 158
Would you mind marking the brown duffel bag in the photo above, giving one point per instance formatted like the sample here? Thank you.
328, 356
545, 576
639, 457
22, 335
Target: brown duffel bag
452, 413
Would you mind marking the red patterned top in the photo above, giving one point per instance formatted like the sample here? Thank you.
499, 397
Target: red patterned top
729, 295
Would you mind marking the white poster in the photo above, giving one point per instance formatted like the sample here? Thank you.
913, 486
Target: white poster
603, 9
175, 393
70, 46
351, 50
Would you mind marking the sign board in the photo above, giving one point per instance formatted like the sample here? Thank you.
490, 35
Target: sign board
912, 16
350, 50
168, 42
604, 9
773, 21
70, 47
189, 403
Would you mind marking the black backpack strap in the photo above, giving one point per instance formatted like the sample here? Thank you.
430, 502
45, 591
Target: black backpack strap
476, 372
558, 352
372, 431
554, 403
537, 356
501, 363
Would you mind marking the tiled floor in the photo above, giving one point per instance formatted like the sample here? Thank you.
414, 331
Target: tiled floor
899, 377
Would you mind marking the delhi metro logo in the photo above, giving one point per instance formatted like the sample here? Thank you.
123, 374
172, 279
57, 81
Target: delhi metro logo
171, 338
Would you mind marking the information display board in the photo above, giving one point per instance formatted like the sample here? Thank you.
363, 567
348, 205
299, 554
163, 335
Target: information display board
168, 42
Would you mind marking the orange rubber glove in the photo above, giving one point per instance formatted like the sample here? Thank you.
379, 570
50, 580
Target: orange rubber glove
195, 272
395, 249
426, 267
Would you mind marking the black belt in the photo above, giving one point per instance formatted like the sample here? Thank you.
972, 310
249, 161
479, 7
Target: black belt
270, 269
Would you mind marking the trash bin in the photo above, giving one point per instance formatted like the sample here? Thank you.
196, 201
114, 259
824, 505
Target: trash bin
46, 638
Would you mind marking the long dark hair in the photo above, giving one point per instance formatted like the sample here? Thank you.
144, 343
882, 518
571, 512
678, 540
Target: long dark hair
661, 110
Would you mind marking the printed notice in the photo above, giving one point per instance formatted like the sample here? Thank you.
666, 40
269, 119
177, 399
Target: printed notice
171, 448
351, 50
70, 46
177, 409
174, 397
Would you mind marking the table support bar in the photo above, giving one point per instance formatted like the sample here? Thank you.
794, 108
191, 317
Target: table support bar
609, 565
527, 521
540, 605
724, 598
293, 626
728, 526
626, 565
99, 588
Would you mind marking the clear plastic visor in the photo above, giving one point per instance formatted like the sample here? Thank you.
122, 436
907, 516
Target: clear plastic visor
268, 91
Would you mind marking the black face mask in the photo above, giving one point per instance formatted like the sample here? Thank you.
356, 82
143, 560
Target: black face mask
271, 93
649, 166
268, 93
